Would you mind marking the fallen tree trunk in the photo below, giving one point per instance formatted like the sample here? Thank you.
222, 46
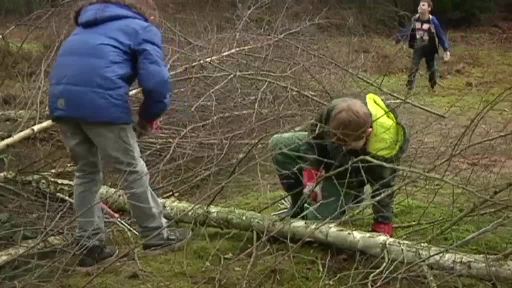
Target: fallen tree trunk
28, 246
115, 198
25, 134
462, 264
476, 266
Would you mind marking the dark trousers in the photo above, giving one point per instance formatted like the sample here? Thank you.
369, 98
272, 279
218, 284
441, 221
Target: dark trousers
430, 58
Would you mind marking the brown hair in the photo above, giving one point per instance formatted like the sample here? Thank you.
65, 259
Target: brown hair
429, 2
349, 121
145, 7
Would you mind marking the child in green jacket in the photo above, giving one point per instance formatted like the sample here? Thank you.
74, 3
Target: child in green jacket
322, 170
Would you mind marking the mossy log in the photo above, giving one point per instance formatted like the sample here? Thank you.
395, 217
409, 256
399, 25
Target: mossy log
442, 259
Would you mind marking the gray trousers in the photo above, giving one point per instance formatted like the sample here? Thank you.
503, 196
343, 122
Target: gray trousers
95, 145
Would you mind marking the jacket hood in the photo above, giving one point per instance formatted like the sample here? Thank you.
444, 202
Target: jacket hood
100, 13
389, 136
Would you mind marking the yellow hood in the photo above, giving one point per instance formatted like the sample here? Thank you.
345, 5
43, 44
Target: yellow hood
388, 134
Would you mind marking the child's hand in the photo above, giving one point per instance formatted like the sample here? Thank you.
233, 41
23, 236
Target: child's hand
310, 179
446, 56
143, 128
155, 126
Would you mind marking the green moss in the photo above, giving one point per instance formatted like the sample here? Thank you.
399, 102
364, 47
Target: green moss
217, 257
429, 219
256, 201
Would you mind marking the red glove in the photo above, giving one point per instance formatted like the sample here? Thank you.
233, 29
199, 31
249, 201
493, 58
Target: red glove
154, 126
143, 128
383, 228
310, 178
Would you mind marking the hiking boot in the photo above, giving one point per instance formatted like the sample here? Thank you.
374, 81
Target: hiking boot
175, 240
292, 185
96, 254
409, 85
295, 208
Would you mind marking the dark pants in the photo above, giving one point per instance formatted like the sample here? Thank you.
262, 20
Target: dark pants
430, 58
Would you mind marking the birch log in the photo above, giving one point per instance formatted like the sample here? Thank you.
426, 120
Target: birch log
25, 134
27, 246
115, 198
461, 264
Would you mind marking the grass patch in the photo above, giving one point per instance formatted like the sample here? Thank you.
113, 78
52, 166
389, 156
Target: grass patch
225, 258
32, 47
426, 220
256, 202
217, 258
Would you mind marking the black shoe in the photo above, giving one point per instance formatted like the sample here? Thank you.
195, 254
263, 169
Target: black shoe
433, 89
409, 86
175, 240
433, 84
96, 254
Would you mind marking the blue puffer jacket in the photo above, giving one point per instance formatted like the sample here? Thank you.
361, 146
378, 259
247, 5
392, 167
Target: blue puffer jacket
112, 46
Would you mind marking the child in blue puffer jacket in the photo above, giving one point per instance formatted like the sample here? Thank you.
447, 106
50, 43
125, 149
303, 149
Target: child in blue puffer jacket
113, 44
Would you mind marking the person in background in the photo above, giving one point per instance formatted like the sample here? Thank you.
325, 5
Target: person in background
114, 43
323, 170
424, 37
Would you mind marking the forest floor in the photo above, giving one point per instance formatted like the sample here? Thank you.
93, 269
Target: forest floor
478, 73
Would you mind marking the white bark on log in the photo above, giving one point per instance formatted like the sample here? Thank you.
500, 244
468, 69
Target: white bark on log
25, 134
27, 246
116, 199
462, 264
